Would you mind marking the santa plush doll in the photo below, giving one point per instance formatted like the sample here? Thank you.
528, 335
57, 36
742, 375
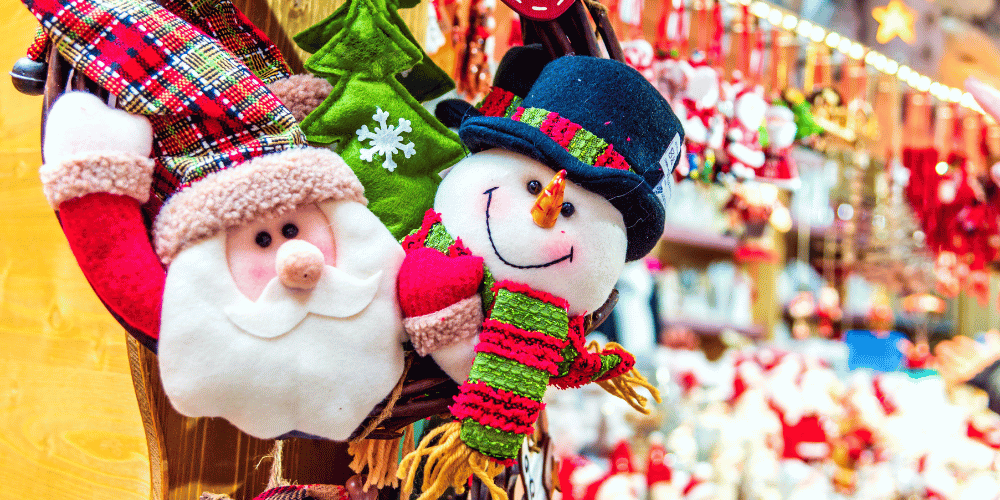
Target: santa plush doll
265, 284
527, 236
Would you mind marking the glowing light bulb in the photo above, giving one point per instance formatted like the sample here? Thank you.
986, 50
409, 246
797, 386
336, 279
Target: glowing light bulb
790, 22
818, 34
775, 17
805, 28
857, 51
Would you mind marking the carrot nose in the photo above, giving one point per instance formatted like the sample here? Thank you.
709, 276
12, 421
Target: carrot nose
546, 208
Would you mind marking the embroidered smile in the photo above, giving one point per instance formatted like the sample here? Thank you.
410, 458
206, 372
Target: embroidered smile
489, 232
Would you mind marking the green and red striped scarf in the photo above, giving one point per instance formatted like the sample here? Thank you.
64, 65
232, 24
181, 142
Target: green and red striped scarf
527, 342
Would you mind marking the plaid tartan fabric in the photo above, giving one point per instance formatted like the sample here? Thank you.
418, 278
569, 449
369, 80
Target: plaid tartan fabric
300, 492
208, 110
221, 20
39, 46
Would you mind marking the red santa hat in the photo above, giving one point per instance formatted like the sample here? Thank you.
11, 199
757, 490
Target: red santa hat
621, 459
657, 466
698, 486
805, 440
209, 112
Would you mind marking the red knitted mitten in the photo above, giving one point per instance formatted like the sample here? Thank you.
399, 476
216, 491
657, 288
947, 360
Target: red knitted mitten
439, 299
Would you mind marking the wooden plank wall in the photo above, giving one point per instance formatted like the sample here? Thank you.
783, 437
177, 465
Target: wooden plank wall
70, 426
69, 423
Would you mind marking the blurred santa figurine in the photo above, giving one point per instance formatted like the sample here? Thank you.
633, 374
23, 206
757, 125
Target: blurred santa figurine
622, 482
746, 116
779, 167
659, 474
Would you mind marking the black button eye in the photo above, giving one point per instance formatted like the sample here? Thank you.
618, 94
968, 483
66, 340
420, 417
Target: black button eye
567, 209
534, 187
290, 231
263, 239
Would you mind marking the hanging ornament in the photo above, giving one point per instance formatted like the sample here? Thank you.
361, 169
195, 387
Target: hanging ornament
779, 167
473, 75
895, 19
671, 43
697, 108
639, 54
630, 13
747, 109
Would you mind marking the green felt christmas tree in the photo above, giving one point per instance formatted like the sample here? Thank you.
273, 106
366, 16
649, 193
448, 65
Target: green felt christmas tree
424, 81
394, 145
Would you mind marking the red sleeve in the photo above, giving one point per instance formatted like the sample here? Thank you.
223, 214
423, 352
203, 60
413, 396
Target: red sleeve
108, 237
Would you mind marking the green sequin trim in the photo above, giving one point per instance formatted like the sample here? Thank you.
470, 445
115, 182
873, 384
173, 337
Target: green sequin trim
569, 354
534, 117
512, 108
530, 314
489, 441
486, 289
439, 239
608, 362
509, 375
586, 146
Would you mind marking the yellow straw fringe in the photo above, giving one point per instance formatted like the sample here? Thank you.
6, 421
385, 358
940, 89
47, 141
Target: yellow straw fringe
381, 457
450, 463
624, 385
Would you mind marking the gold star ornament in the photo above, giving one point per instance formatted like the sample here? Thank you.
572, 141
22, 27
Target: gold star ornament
895, 19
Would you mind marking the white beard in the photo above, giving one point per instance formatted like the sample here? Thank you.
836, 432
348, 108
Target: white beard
322, 375
279, 309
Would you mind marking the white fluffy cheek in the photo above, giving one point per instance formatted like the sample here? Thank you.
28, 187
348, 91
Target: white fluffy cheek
557, 246
598, 262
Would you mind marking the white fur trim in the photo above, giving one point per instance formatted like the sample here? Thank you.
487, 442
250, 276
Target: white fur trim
268, 186
456, 322
82, 174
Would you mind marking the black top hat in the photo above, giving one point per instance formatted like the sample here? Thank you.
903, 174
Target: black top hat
601, 121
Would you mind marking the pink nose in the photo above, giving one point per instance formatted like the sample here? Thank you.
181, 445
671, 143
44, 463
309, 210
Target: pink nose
299, 264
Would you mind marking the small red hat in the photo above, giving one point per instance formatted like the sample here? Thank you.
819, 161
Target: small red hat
657, 466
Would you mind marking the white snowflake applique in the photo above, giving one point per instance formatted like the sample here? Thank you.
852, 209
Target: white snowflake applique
386, 140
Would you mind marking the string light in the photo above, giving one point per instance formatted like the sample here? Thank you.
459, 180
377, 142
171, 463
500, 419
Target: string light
832, 39
760, 9
789, 22
857, 50
924, 84
844, 45
805, 28
779, 17
817, 34
775, 17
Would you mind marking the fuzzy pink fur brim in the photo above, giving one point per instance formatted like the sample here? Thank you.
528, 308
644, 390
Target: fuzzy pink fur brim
268, 186
301, 93
456, 322
111, 172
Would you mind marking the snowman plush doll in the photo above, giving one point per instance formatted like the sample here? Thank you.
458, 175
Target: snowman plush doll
527, 236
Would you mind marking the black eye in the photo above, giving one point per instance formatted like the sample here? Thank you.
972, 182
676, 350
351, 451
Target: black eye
290, 231
263, 239
567, 209
534, 187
